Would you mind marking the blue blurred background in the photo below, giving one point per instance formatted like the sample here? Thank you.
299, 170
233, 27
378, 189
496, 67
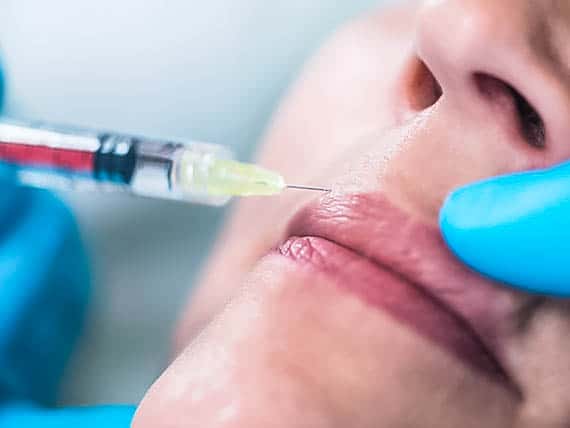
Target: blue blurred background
213, 71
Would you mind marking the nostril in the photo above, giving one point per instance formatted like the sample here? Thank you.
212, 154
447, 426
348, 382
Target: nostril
532, 125
422, 90
529, 122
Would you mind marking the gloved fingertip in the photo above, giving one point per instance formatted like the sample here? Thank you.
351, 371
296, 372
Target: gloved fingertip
465, 210
514, 229
486, 203
459, 222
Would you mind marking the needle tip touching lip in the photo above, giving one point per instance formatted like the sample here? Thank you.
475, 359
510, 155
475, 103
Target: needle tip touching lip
312, 188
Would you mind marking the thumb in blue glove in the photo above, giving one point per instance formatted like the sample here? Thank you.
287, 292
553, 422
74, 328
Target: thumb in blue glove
514, 229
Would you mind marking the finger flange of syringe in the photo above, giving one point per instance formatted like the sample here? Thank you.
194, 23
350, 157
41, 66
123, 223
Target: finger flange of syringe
62, 157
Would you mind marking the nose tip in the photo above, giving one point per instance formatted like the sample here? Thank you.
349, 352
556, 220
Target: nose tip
467, 44
457, 39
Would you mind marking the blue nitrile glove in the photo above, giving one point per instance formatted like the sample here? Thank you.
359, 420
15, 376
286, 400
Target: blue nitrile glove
515, 229
44, 288
43, 295
43, 292
95, 417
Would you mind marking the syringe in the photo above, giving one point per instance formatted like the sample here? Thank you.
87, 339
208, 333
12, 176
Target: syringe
67, 158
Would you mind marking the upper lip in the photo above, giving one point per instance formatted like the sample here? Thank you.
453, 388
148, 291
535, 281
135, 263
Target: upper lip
375, 228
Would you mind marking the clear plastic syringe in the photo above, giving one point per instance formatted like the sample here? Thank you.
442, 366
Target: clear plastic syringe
66, 158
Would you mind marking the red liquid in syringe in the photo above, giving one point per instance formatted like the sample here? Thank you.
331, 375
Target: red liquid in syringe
47, 157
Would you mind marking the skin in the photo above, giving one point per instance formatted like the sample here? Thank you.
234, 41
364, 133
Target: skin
292, 348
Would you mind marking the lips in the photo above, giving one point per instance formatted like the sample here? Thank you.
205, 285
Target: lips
401, 266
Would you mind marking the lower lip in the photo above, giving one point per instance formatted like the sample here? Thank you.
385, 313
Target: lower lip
386, 290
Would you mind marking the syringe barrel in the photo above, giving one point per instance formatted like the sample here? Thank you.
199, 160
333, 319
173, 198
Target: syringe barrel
161, 170
70, 158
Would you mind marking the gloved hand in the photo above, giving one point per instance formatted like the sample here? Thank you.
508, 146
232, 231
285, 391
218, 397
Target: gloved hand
44, 285
44, 289
515, 229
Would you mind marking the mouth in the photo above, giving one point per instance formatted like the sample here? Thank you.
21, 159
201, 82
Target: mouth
401, 266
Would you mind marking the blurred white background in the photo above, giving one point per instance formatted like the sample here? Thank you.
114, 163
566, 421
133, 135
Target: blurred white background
210, 70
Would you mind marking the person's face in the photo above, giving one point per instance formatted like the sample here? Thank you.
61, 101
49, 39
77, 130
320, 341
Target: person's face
346, 309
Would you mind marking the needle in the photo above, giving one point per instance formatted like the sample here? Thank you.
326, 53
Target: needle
316, 189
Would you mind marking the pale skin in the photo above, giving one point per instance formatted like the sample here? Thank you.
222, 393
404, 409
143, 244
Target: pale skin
292, 349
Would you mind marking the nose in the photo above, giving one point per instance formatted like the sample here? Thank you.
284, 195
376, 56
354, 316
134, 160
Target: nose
501, 56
